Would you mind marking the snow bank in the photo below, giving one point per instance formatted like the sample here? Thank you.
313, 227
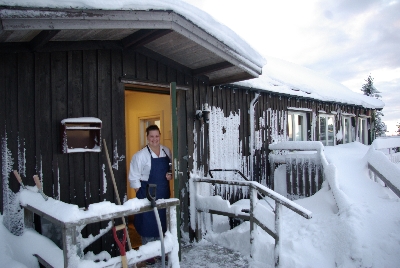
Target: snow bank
386, 142
385, 167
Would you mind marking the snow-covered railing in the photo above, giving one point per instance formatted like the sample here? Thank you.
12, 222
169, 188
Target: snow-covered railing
304, 172
257, 213
330, 175
381, 166
71, 220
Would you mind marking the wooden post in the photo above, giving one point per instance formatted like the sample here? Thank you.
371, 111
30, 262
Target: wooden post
197, 217
69, 245
253, 202
278, 208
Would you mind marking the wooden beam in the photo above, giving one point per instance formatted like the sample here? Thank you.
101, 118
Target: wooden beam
4, 34
143, 37
16, 19
164, 60
212, 68
14, 47
42, 38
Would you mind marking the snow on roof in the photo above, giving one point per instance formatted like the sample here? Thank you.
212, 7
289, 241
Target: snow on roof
191, 13
288, 78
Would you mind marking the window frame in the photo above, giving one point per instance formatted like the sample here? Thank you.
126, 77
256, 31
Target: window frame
344, 118
362, 129
326, 141
292, 114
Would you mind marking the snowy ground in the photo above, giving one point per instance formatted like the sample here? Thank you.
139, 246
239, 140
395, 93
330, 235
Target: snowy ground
365, 233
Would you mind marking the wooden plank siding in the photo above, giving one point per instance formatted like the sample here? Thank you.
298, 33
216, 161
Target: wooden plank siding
42, 88
305, 178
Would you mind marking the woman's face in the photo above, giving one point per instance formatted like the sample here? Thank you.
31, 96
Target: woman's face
153, 138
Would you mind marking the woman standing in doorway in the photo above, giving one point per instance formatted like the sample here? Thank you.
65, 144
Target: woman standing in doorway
151, 165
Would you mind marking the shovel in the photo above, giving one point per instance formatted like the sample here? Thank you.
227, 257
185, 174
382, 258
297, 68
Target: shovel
121, 244
152, 198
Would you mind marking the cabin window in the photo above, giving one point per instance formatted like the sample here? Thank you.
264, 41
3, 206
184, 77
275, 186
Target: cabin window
347, 137
327, 129
297, 126
362, 131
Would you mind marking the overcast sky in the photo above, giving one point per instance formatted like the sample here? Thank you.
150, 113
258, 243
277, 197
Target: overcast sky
345, 40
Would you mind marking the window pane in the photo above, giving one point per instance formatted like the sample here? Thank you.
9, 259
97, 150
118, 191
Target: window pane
363, 130
299, 128
290, 126
322, 129
331, 131
347, 127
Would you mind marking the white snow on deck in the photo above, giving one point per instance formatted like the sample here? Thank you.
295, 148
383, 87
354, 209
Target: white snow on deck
365, 233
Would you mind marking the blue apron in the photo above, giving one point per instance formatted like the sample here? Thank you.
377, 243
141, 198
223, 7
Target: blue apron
145, 223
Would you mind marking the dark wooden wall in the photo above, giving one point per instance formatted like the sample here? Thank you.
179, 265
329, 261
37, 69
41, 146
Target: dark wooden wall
234, 98
38, 90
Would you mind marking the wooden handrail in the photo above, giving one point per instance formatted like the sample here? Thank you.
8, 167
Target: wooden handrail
381, 166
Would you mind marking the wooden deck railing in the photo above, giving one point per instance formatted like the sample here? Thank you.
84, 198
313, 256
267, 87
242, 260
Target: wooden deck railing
71, 245
257, 214
384, 167
304, 170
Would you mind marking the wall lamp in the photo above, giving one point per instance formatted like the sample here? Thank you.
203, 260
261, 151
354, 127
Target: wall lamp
204, 113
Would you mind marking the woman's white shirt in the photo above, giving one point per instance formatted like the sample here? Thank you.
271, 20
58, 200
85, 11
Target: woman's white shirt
141, 164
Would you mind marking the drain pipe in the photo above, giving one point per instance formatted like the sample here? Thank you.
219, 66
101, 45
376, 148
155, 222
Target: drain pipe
252, 133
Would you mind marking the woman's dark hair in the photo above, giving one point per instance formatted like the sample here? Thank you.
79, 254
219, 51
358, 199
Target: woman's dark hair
152, 127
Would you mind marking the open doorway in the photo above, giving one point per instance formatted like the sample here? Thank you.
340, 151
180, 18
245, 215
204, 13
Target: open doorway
141, 110
144, 108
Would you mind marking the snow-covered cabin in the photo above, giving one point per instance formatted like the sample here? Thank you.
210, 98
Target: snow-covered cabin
289, 102
71, 76
105, 70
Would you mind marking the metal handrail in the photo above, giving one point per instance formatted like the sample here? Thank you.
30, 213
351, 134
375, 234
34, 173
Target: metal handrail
245, 178
255, 189
234, 170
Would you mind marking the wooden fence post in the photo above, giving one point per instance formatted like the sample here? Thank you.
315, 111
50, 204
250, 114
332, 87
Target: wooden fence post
253, 203
278, 208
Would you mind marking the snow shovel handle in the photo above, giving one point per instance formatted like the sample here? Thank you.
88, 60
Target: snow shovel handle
39, 186
150, 197
121, 244
19, 179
